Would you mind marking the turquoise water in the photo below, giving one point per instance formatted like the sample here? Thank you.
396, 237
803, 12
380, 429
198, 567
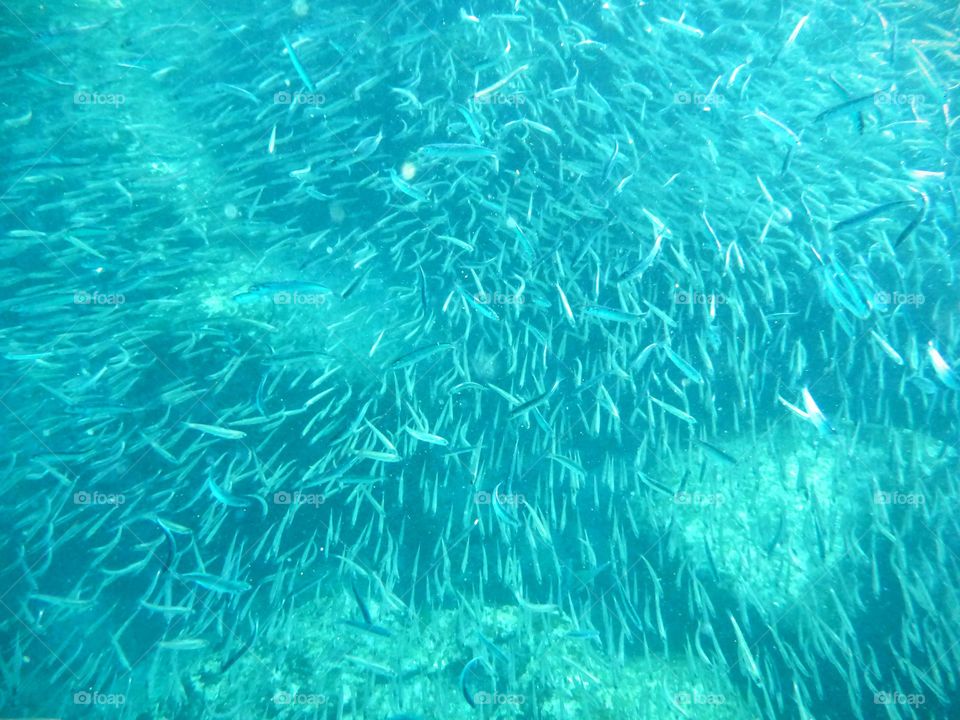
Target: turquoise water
536, 360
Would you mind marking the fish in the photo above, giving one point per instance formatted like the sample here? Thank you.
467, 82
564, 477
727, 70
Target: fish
413, 357
612, 314
682, 365
426, 437
915, 222
298, 68
464, 674
230, 661
810, 412
216, 583
501, 82
869, 214
848, 105
814, 413
367, 619
217, 431
637, 270
524, 407
456, 151
747, 661
406, 188
675, 411
716, 454
944, 371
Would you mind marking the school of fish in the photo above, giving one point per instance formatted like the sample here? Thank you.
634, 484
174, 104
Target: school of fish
517, 359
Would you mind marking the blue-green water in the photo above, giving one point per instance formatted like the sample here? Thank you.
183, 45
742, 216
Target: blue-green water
538, 360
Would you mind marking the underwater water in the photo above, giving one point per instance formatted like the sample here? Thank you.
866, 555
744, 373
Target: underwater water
517, 359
